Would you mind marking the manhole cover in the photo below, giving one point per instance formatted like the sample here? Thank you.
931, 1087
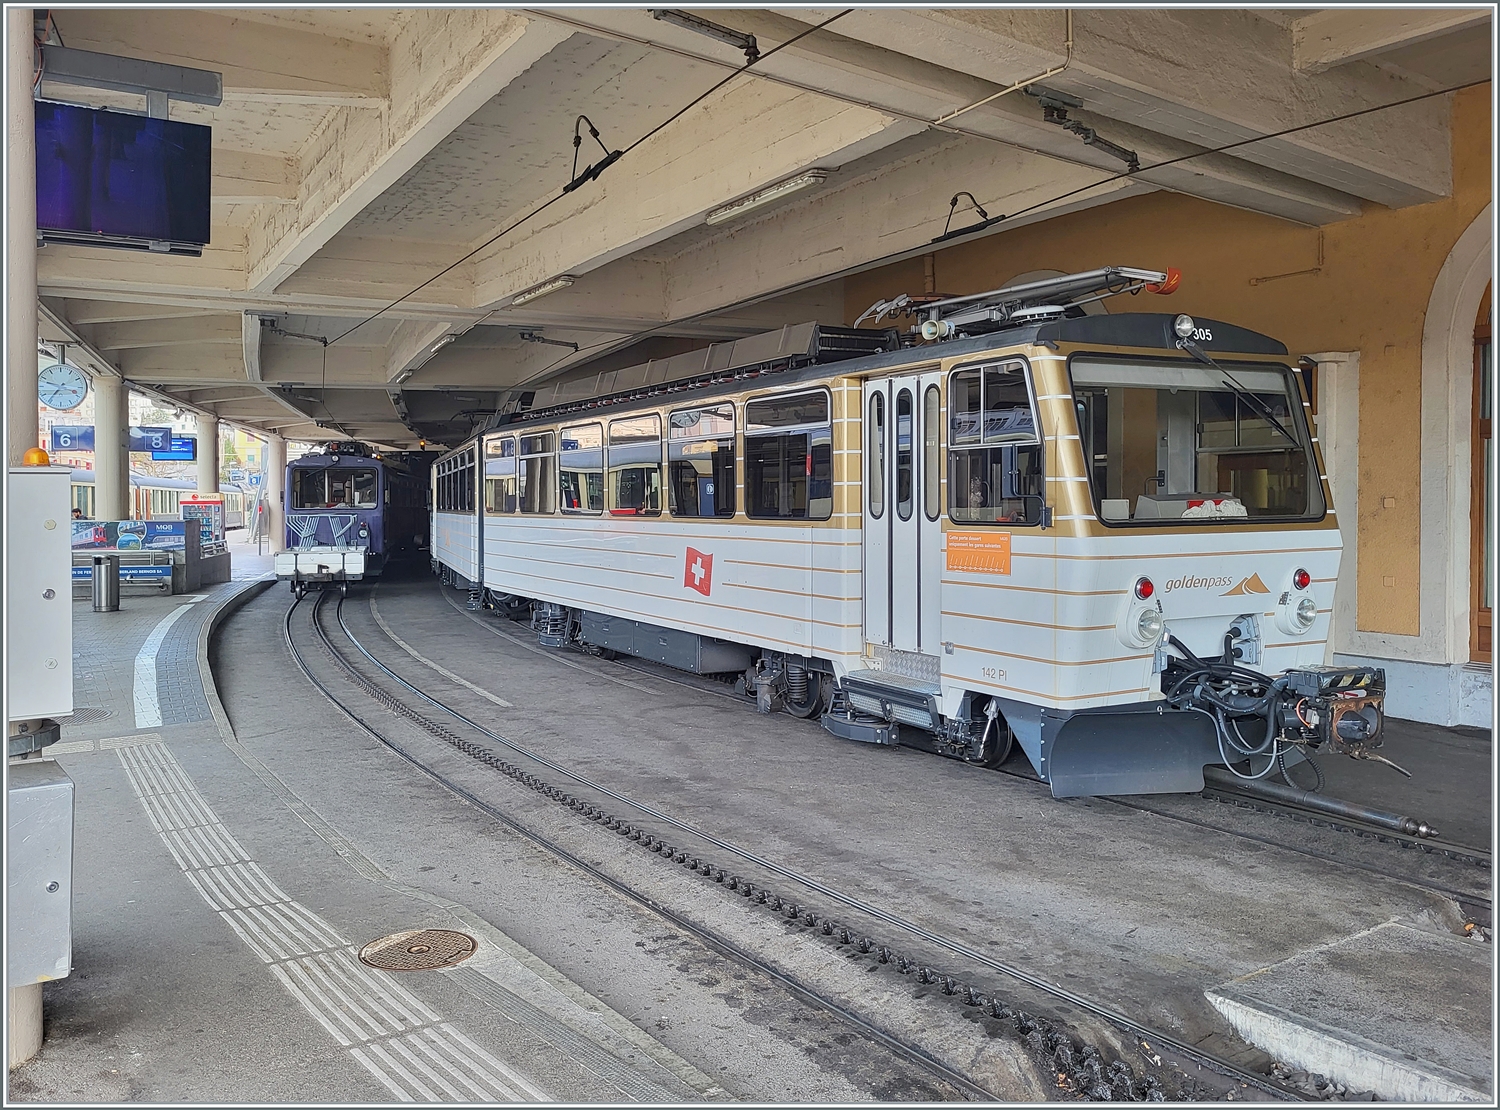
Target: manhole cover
418, 950
85, 716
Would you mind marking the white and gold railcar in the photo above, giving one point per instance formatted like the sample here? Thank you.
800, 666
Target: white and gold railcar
1103, 536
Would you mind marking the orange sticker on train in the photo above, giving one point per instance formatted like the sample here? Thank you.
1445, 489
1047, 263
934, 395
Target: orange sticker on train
979, 552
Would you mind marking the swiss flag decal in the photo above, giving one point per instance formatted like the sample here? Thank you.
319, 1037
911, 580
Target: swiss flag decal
698, 571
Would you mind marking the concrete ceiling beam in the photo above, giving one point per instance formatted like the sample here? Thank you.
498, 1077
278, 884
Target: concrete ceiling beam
1338, 36
444, 63
165, 333
920, 90
85, 313
245, 177
1206, 77
854, 226
81, 272
259, 63
669, 183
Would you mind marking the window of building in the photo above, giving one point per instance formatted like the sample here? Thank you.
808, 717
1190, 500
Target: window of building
875, 456
500, 475
635, 466
994, 451
700, 461
1481, 496
789, 457
538, 484
582, 469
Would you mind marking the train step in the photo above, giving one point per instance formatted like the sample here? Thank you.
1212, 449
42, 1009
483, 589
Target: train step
894, 697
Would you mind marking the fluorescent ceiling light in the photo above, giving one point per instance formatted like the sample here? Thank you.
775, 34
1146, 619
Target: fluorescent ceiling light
766, 196
543, 289
443, 342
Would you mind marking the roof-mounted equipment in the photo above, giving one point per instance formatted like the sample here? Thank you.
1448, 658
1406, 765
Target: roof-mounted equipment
1029, 303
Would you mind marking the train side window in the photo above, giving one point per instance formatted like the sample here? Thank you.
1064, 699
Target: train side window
700, 461
635, 466
994, 453
876, 455
789, 457
905, 449
581, 465
932, 428
537, 474
500, 475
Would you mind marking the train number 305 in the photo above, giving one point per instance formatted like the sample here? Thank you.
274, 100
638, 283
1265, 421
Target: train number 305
1203, 335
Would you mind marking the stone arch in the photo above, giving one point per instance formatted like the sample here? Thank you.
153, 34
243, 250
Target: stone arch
1447, 412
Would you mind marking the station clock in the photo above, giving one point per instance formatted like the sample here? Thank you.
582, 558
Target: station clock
61, 386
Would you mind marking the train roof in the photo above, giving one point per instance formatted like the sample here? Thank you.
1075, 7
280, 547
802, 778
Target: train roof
804, 353
82, 477
323, 461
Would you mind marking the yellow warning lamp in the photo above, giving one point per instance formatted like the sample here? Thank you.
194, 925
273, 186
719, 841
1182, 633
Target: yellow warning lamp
35, 456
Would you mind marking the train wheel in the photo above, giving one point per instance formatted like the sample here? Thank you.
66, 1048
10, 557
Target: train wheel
343, 589
997, 743
812, 702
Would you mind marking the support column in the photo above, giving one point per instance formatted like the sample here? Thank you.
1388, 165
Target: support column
22, 425
208, 454
111, 449
275, 492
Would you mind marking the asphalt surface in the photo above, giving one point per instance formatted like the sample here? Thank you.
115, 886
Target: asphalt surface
1139, 912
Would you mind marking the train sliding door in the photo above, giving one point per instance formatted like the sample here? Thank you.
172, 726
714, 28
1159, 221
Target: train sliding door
902, 512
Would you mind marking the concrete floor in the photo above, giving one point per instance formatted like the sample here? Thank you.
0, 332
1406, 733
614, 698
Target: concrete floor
168, 1004
1139, 912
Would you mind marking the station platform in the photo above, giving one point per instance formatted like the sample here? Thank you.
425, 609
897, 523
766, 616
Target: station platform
239, 842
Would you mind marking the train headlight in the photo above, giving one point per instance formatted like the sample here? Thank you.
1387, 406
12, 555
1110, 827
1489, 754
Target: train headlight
1296, 614
1183, 326
1305, 613
1148, 626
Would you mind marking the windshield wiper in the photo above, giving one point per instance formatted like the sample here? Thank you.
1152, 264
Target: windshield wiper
1239, 390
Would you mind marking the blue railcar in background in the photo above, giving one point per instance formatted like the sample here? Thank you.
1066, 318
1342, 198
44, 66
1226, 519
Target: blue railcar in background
348, 510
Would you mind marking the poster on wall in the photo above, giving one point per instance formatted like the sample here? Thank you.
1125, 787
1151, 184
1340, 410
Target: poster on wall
129, 535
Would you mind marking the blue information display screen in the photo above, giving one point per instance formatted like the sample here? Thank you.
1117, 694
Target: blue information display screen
112, 174
183, 449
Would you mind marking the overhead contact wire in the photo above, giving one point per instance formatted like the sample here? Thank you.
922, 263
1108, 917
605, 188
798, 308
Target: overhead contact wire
559, 196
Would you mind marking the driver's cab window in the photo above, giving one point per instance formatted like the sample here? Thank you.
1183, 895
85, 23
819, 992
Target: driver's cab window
994, 450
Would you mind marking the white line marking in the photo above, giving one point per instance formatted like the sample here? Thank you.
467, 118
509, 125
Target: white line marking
379, 1050
396, 1088
305, 953
514, 1077
426, 662
147, 707
422, 1067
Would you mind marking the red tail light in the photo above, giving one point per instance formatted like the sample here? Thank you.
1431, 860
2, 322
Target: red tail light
1301, 579
1144, 588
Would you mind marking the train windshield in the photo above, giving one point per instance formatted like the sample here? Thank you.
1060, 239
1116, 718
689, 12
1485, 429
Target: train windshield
333, 489
1183, 442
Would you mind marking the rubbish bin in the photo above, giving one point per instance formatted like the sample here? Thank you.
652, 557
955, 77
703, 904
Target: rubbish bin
106, 583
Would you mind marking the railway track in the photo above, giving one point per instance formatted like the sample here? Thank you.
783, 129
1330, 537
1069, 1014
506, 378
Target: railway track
1081, 1070
1468, 855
